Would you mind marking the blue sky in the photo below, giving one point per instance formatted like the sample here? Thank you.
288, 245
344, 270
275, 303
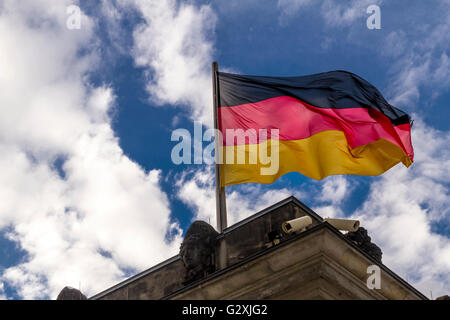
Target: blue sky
89, 194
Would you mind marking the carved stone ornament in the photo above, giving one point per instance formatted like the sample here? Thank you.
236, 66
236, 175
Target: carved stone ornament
197, 251
362, 240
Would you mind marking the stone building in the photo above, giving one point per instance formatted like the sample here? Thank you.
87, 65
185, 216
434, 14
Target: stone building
255, 259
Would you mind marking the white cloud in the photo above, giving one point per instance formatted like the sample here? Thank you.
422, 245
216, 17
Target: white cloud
404, 208
335, 189
329, 211
335, 13
104, 214
2, 292
338, 13
175, 45
289, 8
196, 189
423, 62
395, 44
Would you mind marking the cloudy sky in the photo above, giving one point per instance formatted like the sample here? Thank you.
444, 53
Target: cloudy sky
88, 192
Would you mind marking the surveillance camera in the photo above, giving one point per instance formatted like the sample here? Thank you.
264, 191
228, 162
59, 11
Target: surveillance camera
295, 225
343, 224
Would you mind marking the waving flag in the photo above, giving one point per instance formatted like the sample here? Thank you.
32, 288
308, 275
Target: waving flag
326, 124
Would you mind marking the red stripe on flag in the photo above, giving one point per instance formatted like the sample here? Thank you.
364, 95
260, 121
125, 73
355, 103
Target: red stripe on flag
296, 119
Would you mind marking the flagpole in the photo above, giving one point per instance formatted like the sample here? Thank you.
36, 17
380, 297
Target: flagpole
221, 205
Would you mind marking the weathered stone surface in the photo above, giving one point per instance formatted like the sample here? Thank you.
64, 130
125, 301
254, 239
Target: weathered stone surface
69, 293
319, 263
316, 265
197, 250
362, 239
158, 282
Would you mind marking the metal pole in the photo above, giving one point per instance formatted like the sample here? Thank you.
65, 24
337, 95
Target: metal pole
221, 206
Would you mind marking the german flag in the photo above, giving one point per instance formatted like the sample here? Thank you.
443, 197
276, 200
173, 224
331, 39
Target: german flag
328, 123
